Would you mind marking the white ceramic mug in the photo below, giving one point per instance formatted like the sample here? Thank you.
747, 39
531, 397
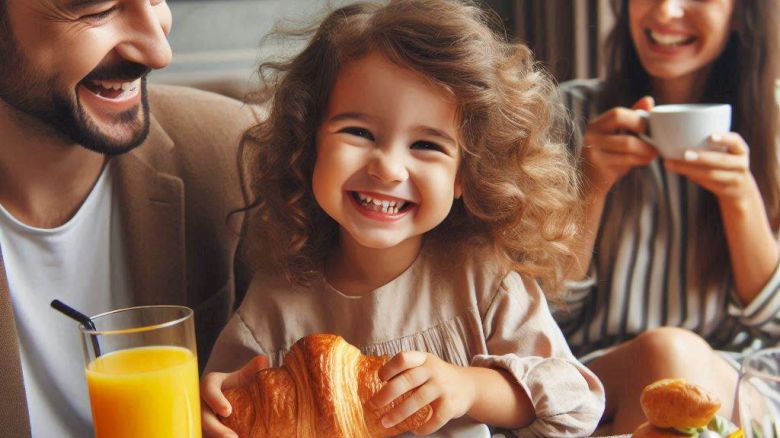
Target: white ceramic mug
673, 129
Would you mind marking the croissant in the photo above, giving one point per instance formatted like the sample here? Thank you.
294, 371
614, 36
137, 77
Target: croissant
321, 390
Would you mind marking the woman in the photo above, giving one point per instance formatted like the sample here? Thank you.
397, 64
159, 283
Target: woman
680, 257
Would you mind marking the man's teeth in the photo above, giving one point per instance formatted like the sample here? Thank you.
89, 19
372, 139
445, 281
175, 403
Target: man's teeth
392, 207
124, 86
666, 39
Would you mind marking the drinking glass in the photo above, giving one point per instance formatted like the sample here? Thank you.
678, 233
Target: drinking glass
758, 394
142, 373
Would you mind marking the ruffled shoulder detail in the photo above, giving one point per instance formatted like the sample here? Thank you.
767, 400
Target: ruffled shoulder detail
456, 341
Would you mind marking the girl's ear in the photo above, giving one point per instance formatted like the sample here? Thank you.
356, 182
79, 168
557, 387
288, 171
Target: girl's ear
458, 187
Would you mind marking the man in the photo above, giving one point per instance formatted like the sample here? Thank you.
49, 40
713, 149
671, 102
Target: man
110, 195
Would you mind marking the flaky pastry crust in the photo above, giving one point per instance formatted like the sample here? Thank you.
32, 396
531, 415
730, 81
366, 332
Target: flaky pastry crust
321, 390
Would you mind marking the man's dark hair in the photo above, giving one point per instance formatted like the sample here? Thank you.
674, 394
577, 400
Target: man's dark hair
5, 35
5, 32
5, 29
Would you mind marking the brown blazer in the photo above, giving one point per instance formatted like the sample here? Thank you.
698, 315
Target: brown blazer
176, 191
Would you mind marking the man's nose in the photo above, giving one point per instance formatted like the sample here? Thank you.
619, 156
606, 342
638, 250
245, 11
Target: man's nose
388, 166
147, 35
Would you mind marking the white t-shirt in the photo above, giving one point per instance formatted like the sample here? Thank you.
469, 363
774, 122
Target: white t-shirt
81, 263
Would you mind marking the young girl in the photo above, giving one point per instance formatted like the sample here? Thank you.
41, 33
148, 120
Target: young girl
687, 244
410, 190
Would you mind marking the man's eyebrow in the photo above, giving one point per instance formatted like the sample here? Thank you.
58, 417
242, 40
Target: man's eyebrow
81, 4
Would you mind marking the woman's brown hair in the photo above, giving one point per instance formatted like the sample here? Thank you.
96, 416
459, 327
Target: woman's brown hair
519, 183
744, 75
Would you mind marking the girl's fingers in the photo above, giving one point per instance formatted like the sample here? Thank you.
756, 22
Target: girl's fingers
213, 384
419, 398
246, 374
213, 428
211, 393
437, 420
400, 385
400, 363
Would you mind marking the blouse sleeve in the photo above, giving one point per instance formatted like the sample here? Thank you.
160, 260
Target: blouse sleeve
763, 313
523, 339
235, 346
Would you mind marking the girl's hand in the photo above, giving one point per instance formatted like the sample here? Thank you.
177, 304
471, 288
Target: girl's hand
724, 169
447, 388
611, 148
214, 403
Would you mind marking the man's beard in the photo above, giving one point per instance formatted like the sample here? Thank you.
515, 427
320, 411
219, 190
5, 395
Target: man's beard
36, 94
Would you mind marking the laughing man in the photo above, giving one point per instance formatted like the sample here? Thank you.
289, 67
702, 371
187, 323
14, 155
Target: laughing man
112, 194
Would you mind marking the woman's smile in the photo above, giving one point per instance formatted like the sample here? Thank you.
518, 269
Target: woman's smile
666, 40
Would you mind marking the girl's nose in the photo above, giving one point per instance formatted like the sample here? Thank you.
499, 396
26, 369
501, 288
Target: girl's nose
670, 9
388, 167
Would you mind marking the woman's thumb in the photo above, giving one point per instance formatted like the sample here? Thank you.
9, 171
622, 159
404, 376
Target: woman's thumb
646, 103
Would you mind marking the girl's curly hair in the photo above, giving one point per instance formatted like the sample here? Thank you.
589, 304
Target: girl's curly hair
519, 181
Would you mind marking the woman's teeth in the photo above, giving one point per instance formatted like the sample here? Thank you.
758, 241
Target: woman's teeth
384, 206
669, 40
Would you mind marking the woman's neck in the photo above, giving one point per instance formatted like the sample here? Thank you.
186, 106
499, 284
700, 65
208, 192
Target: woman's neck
684, 89
357, 270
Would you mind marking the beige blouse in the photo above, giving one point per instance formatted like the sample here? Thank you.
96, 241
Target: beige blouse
462, 309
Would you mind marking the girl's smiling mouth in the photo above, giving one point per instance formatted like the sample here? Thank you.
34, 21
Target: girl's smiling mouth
378, 206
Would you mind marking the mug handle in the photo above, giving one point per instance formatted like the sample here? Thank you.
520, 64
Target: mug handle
643, 136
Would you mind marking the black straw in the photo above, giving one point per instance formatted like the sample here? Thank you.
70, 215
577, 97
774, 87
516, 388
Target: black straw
80, 317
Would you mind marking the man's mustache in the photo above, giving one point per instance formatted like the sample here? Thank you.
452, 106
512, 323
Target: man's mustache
125, 71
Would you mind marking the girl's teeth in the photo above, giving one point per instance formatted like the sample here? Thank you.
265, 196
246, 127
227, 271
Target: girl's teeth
391, 207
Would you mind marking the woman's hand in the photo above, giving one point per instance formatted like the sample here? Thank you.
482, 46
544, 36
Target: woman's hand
431, 381
611, 148
723, 169
213, 401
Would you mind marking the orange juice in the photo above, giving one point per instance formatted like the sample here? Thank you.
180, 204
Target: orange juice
145, 392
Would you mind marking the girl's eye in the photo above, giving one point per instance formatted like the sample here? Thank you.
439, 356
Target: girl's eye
359, 132
428, 146
100, 15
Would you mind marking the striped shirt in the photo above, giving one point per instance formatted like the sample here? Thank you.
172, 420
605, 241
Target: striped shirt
642, 265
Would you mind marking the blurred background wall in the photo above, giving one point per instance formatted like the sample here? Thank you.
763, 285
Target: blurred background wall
217, 43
